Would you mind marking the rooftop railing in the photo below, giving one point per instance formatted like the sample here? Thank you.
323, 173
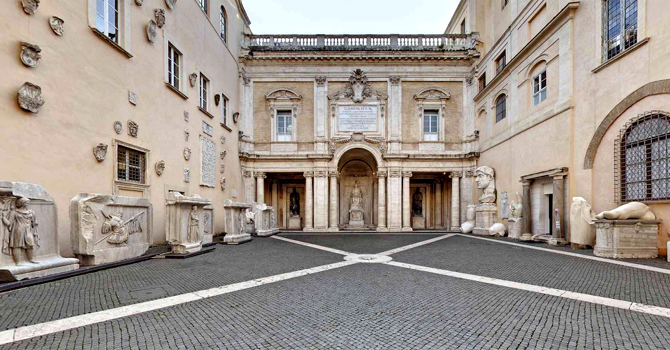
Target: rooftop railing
439, 42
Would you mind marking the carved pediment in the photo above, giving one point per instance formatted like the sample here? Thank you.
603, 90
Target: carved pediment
432, 98
357, 89
335, 143
283, 98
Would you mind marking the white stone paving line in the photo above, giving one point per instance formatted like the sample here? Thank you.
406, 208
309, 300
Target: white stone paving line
610, 261
40, 329
594, 299
407, 247
336, 251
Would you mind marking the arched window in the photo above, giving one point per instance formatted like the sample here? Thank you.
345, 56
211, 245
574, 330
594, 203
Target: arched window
223, 21
644, 158
501, 108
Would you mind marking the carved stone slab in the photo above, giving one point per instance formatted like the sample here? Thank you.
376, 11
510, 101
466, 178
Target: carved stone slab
30, 54
30, 6
626, 239
193, 78
151, 31
57, 25
46, 251
160, 167
30, 97
118, 127
100, 151
236, 231
170, 3
184, 225
133, 128
265, 221
159, 14
105, 229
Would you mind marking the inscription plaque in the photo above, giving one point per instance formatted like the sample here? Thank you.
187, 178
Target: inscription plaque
358, 118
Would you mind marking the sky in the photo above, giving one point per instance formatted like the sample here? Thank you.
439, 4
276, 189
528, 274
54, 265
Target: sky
349, 16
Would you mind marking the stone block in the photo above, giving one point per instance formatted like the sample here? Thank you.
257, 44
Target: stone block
106, 228
208, 224
31, 213
418, 222
236, 222
485, 217
626, 239
184, 223
264, 220
514, 228
294, 223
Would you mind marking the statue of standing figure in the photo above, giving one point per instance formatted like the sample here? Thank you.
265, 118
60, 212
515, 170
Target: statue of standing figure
417, 203
356, 197
193, 229
21, 232
294, 206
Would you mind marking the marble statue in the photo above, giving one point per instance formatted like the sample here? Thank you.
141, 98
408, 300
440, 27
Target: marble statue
242, 223
582, 231
504, 205
21, 234
356, 196
629, 211
469, 224
294, 206
117, 230
356, 206
516, 207
193, 230
486, 181
498, 230
515, 222
417, 203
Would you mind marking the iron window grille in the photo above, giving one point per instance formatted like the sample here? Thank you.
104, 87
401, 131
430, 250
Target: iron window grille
131, 165
642, 159
620, 26
501, 108
107, 18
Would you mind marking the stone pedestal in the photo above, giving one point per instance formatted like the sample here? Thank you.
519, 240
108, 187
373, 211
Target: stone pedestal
178, 224
264, 220
514, 228
208, 224
41, 210
105, 228
294, 223
418, 222
527, 237
626, 239
485, 217
356, 218
236, 225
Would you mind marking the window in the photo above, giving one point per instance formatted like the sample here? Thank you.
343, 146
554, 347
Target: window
284, 126
203, 5
173, 61
645, 158
204, 85
222, 25
501, 62
620, 27
463, 27
504, 3
501, 108
539, 88
107, 18
482, 82
224, 110
131, 165
430, 119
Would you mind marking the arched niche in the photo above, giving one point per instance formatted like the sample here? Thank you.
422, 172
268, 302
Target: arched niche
358, 165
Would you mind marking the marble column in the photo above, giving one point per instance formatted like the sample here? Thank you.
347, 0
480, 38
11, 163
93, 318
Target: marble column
248, 186
438, 203
455, 201
381, 201
321, 116
334, 206
275, 196
309, 197
321, 200
527, 224
557, 221
467, 192
260, 187
395, 199
406, 201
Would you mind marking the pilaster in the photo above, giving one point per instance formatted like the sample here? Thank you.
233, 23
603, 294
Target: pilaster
249, 192
320, 200
406, 217
320, 114
395, 115
557, 221
395, 200
381, 192
455, 200
260, 187
527, 225
309, 198
334, 206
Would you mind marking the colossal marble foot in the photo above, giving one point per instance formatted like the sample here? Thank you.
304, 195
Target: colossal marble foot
632, 211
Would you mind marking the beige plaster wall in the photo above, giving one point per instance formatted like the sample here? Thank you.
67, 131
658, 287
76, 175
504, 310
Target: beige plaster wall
305, 120
412, 124
85, 83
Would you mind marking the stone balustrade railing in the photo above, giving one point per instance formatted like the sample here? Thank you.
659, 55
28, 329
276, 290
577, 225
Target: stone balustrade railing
438, 42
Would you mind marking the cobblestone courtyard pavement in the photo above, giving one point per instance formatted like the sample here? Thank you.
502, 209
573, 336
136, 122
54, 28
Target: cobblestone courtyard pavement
394, 291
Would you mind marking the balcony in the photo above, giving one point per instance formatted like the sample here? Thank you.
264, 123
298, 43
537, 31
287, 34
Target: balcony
391, 42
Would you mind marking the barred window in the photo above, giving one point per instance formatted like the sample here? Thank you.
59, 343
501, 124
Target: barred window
130, 165
644, 157
501, 108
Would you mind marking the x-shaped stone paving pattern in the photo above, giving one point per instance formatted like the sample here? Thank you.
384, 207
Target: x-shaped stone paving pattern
361, 305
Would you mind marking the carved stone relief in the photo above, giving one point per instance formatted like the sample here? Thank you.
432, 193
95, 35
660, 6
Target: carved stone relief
187, 175
133, 128
236, 117
30, 54
187, 153
335, 143
223, 154
116, 231
30, 6
132, 98
160, 167
118, 127
217, 99
151, 31
223, 184
170, 3
30, 98
223, 168
192, 79
100, 151
18, 224
186, 116
186, 134
139, 2
159, 15
208, 163
57, 25
359, 86
320, 81
395, 80
223, 140
207, 129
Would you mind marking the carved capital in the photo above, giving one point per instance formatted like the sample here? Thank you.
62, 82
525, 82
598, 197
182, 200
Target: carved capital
260, 175
320, 80
247, 173
382, 174
455, 174
406, 174
320, 173
308, 174
469, 173
394, 79
333, 174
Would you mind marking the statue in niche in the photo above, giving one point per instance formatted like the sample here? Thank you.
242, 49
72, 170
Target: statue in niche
417, 203
193, 230
355, 208
486, 181
117, 230
294, 205
21, 231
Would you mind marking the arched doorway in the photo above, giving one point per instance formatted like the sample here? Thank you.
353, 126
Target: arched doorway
357, 170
